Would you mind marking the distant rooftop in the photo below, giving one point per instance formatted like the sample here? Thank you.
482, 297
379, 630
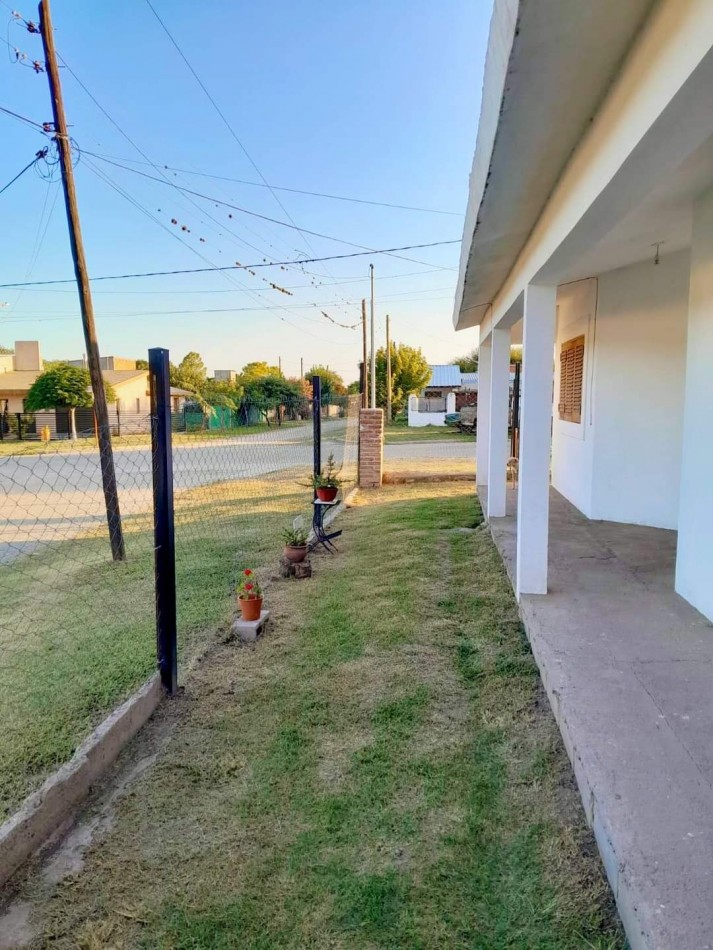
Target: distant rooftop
445, 375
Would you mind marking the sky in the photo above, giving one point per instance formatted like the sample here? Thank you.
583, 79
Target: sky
372, 100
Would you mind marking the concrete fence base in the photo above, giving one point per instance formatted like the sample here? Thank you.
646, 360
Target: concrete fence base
47, 809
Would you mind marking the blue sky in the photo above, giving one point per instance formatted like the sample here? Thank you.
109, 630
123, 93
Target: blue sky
375, 100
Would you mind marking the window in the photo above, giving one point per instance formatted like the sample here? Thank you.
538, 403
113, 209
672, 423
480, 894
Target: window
571, 380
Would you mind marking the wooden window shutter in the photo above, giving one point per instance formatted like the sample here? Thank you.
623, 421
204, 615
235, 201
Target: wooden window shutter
571, 380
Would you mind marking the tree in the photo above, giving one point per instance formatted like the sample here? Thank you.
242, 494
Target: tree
190, 373
410, 372
257, 370
332, 383
6, 350
220, 392
274, 394
64, 387
467, 363
353, 389
142, 364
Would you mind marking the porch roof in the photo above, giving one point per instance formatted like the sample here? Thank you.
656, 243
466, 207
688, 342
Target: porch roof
548, 67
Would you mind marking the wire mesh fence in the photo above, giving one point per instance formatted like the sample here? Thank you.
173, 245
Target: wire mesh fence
77, 629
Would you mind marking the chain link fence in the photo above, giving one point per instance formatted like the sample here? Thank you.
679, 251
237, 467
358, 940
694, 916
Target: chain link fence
77, 629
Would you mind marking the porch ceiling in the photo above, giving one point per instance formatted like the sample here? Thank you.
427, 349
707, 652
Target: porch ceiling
549, 66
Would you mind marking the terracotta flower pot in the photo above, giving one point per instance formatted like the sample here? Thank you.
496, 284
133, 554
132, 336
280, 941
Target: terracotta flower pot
295, 553
327, 494
250, 609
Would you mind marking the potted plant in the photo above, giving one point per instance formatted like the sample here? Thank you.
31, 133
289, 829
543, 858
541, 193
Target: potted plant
249, 596
327, 483
295, 544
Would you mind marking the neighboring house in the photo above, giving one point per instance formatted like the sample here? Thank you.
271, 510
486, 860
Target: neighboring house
179, 398
589, 236
226, 375
130, 412
437, 399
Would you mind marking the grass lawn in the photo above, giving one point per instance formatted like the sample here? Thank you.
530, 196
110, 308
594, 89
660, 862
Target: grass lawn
381, 771
77, 632
35, 447
401, 433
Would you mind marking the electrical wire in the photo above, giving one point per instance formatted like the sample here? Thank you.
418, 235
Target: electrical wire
294, 191
12, 181
22, 118
232, 267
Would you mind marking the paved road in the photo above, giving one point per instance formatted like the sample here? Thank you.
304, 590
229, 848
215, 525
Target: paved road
57, 496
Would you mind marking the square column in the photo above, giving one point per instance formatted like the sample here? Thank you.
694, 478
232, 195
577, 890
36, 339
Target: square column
498, 429
371, 447
533, 499
482, 444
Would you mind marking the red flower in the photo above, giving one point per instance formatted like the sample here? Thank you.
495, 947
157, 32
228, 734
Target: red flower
248, 587
247, 572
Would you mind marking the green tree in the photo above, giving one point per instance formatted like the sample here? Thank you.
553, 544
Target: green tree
332, 383
275, 397
467, 363
220, 392
64, 387
190, 373
253, 371
409, 374
142, 364
6, 350
353, 389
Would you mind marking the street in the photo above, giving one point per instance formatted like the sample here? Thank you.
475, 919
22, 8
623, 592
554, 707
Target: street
56, 496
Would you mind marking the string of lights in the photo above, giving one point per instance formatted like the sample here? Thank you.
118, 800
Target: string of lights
294, 191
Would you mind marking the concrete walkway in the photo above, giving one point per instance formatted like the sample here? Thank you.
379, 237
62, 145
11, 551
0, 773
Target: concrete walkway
628, 667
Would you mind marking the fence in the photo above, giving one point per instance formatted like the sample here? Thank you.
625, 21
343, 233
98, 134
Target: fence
77, 630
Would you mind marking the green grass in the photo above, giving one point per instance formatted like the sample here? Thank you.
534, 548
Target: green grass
35, 447
396, 433
77, 631
381, 771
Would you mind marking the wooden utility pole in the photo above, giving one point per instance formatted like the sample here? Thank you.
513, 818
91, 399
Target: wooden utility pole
388, 371
365, 393
373, 342
64, 147
302, 367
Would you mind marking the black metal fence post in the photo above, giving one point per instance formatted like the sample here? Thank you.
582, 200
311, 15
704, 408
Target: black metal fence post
317, 424
164, 537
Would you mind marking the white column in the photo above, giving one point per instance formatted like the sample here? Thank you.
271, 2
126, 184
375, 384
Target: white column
533, 499
482, 444
498, 429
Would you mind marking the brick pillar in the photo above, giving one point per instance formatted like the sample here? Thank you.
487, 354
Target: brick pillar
371, 447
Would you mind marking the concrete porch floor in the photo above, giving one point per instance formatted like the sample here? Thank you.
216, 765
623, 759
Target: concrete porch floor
628, 668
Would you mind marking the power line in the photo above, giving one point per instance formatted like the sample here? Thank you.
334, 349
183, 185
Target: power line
231, 267
294, 191
21, 118
12, 181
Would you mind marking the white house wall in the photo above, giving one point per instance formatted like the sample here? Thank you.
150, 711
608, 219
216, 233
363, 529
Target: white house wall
694, 565
639, 385
623, 461
573, 445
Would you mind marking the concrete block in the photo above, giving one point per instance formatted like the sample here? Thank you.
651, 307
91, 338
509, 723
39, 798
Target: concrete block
249, 630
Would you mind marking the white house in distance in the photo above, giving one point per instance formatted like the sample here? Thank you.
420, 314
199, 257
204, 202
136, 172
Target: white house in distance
589, 236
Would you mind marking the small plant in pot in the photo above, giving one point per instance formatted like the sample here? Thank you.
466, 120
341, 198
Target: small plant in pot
249, 596
327, 483
295, 544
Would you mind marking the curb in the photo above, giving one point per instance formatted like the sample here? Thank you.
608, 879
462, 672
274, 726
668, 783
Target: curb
45, 810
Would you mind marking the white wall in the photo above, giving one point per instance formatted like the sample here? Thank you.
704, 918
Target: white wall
573, 444
640, 370
622, 462
418, 419
694, 565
